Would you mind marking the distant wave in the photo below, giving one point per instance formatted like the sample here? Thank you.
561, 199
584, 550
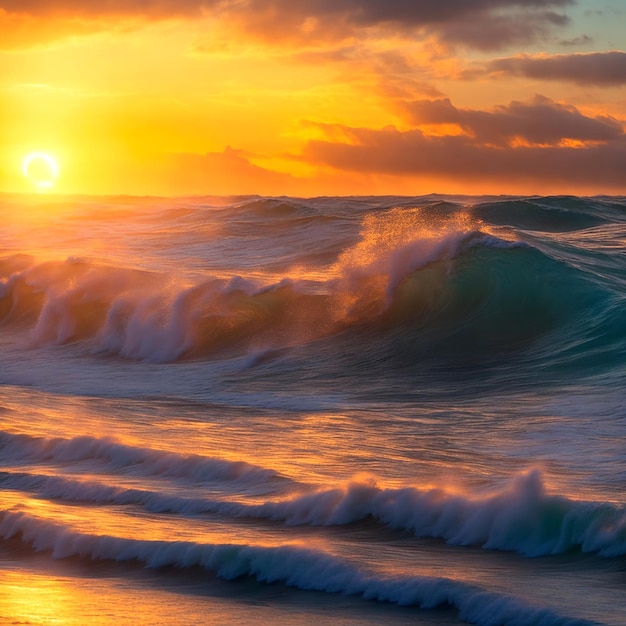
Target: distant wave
291, 565
113, 456
544, 214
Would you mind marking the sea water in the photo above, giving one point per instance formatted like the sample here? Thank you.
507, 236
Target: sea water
356, 410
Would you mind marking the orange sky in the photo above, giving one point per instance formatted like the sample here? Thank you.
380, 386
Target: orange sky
181, 97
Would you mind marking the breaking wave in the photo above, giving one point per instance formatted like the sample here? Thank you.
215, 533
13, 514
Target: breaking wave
446, 286
522, 518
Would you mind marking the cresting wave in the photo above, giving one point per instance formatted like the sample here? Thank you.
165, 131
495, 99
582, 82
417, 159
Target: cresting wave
522, 518
452, 288
291, 565
143, 315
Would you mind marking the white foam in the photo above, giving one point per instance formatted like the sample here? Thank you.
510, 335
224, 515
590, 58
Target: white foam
291, 565
522, 518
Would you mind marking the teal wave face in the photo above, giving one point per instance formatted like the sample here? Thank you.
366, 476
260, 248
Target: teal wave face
374, 288
538, 215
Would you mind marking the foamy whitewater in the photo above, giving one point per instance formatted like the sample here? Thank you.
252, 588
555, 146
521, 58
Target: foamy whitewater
364, 410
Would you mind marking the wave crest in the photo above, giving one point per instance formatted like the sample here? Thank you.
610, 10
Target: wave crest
444, 283
522, 518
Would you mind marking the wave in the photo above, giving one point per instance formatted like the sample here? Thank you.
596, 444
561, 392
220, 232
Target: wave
522, 518
18, 448
415, 286
140, 315
291, 565
542, 214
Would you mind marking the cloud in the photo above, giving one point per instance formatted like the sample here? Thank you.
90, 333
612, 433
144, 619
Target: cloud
364, 12
484, 24
540, 121
99, 8
582, 40
476, 158
232, 172
404, 12
592, 68
226, 172
22, 31
392, 74
494, 31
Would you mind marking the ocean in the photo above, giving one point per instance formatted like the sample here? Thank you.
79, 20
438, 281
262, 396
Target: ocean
336, 410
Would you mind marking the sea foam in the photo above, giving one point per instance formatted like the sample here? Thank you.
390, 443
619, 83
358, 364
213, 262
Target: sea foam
522, 518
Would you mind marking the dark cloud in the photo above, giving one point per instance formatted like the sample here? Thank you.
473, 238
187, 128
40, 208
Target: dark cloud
369, 12
540, 121
475, 158
583, 40
406, 12
485, 24
99, 8
593, 68
494, 31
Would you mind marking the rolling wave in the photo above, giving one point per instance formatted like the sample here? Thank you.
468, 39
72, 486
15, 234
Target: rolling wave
291, 565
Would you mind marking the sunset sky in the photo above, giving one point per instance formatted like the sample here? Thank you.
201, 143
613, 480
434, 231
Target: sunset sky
313, 97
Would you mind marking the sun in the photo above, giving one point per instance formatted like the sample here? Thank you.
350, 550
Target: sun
41, 169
